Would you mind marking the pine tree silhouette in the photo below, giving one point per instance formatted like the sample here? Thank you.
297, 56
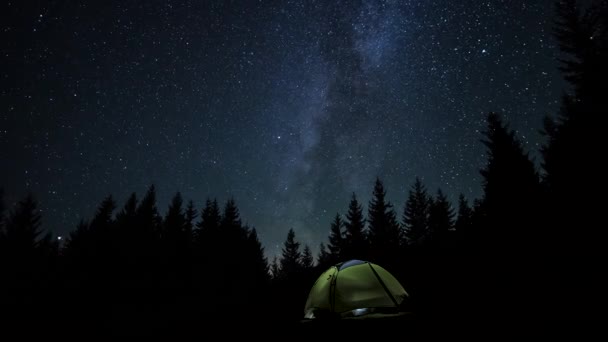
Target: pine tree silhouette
174, 223
511, 183
307, 259
191, 215
275, 268
574, 137
144, 251
232, 235
97, 239
291, 257
21, 246
323, 258
208, 227
175, 242
292, 279
258, 261
127, 216
465, 215
416, 214
336, 240
441, 219
229, 244
355, 241
27, 264
253, 277
570, 156
148, 219
206, 251
511, 197
309, 273
384, 231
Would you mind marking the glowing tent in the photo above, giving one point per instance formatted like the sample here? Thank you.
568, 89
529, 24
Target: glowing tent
354, 288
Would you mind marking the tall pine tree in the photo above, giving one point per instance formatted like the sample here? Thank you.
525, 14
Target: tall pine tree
174, 224
190, 214
323, 258
384, 231
575, 137
510, 203
291, 257
20, 246
510, 183
355, 241
336, 240
572, 156
308, 261
441, 218
416, 214
465, 215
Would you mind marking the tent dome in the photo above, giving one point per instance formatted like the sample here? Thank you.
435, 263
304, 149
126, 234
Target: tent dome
354, 288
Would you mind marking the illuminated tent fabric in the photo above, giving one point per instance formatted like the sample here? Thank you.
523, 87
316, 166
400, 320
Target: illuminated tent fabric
354, 288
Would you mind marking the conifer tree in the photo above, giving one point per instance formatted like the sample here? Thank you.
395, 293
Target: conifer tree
416, 214
384, 231
355, 242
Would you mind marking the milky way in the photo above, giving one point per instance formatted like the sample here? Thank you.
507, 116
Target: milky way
287, 106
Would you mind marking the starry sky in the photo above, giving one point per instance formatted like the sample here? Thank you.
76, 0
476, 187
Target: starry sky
287, 106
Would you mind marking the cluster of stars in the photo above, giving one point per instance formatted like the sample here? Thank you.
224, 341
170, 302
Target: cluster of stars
287, 107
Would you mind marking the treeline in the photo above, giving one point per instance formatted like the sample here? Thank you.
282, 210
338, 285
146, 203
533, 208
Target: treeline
530, 247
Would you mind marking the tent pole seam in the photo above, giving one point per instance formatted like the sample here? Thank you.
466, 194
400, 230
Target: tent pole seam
383, 285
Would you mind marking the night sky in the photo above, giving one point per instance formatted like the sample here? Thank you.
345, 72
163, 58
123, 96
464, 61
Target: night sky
287, 106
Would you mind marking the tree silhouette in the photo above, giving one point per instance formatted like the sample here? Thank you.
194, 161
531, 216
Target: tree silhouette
149, 220
323, 258
229, 242
207, 247
583, 38
76, 246
231, 219
253, 276
275, 268
570, 156
174, 223
127, 216
209, 225
191, 215
27, 264
465, 215
292, 280
92, 249
103, 218
21, 247
441, 218
142, 253
257, 259
22, 230
175, 241
355, 242
308, 261
232, 235
416, 214
575, 137
510, 203
384, 232
290, 256
511, 183
336, 240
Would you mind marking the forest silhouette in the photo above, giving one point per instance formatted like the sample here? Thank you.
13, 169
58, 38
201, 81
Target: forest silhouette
530, 248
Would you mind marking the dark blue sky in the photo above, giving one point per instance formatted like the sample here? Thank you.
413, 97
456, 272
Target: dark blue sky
287, 106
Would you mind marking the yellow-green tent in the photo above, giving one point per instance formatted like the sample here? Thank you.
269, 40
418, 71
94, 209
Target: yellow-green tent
354, 288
